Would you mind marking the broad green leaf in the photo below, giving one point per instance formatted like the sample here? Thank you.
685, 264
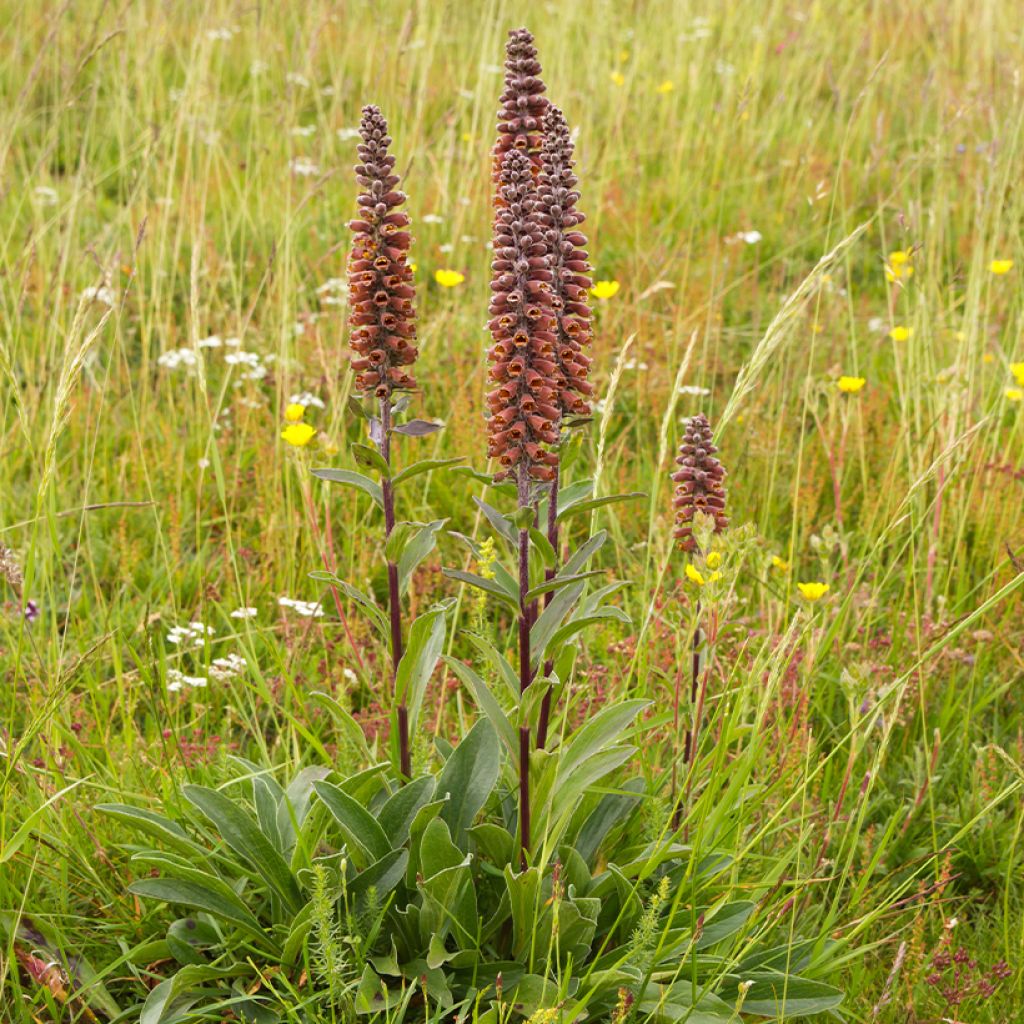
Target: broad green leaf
583, 554
550, 618
486, 702
241, 833
598, 734
782, 996
417, 548
382, 876
425, 466
347, 478
500, 522
492, 587
558, 582
417, 428
728, 919
588, 506
577, 624
363, 835
610, 810
174, 996
419, 659
156, 826
468, 777
400, 809
210, 897
370, 458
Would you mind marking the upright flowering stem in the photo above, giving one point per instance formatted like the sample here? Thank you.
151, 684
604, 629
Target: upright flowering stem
699, 489
383, 330
523, 420
570, 280
522, 106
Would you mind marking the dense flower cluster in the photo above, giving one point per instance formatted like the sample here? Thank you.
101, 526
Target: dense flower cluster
380, 280
699, 482
523, 104
570, 268
523, 407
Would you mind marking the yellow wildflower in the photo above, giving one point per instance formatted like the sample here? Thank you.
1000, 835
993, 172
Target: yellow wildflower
899, 265
665, 87
414, 266
298, 435
488, 556
987, 357
1017, 369
618, 78
850, 385
780, 563
1015, 394
695, 575
900, 333
714, 560
448, 278
1001, 266
899, 257
294, 412
467, 137
813, 591
605, 289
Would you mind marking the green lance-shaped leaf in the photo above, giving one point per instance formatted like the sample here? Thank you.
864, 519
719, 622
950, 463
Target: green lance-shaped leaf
347, 478
468, 777
370, 458
241, 833
424, 647
364, 836
208, 894
424, 466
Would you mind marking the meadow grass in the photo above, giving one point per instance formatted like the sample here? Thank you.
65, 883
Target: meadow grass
747, 170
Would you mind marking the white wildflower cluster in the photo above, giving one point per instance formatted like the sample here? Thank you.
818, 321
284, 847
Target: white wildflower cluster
45, 195
178, 358
294, 78
192, 635
252, 361
347, 134
99, 293
308, 608
178, 681
693, 389
304, 131
431, 218
222, 669
303, 167
244, 613
307, 399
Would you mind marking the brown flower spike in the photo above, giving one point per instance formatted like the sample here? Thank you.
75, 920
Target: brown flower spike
380, 281
523, 407
569, 264
523, 104
699, 482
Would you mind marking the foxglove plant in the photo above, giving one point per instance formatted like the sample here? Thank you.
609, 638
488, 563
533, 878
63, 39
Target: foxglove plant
523, 420
699, 491
383, 330
570, 270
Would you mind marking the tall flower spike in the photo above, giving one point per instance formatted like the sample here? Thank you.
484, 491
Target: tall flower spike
380, 281
699, 482
522, 104
523, 407
570, 265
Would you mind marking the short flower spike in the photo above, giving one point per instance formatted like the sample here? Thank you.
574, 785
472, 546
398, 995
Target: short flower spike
699, 482
380, 282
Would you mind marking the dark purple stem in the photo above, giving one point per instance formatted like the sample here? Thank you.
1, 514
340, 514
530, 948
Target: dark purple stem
394, 591
525, 675
545, 707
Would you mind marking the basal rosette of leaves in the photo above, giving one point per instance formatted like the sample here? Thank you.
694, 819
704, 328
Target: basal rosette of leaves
420, 890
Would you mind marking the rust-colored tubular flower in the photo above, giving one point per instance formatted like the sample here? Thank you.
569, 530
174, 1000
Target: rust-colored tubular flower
570, 267
699, 482
523, 104
380, 281
523, 407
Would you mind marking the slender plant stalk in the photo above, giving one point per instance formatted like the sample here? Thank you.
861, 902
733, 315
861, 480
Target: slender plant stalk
383, 329
394, 591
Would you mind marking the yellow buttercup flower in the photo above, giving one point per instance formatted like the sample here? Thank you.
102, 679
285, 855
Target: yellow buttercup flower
448, 278
414, 267
1001, 266
298, 435
618, 78
1015, 394
780, 563
901, 333
899, 265
850, 385
665, 87
813, 591
899, 257
605, 289
1017, 369
714, 560
294, 412
694, 574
